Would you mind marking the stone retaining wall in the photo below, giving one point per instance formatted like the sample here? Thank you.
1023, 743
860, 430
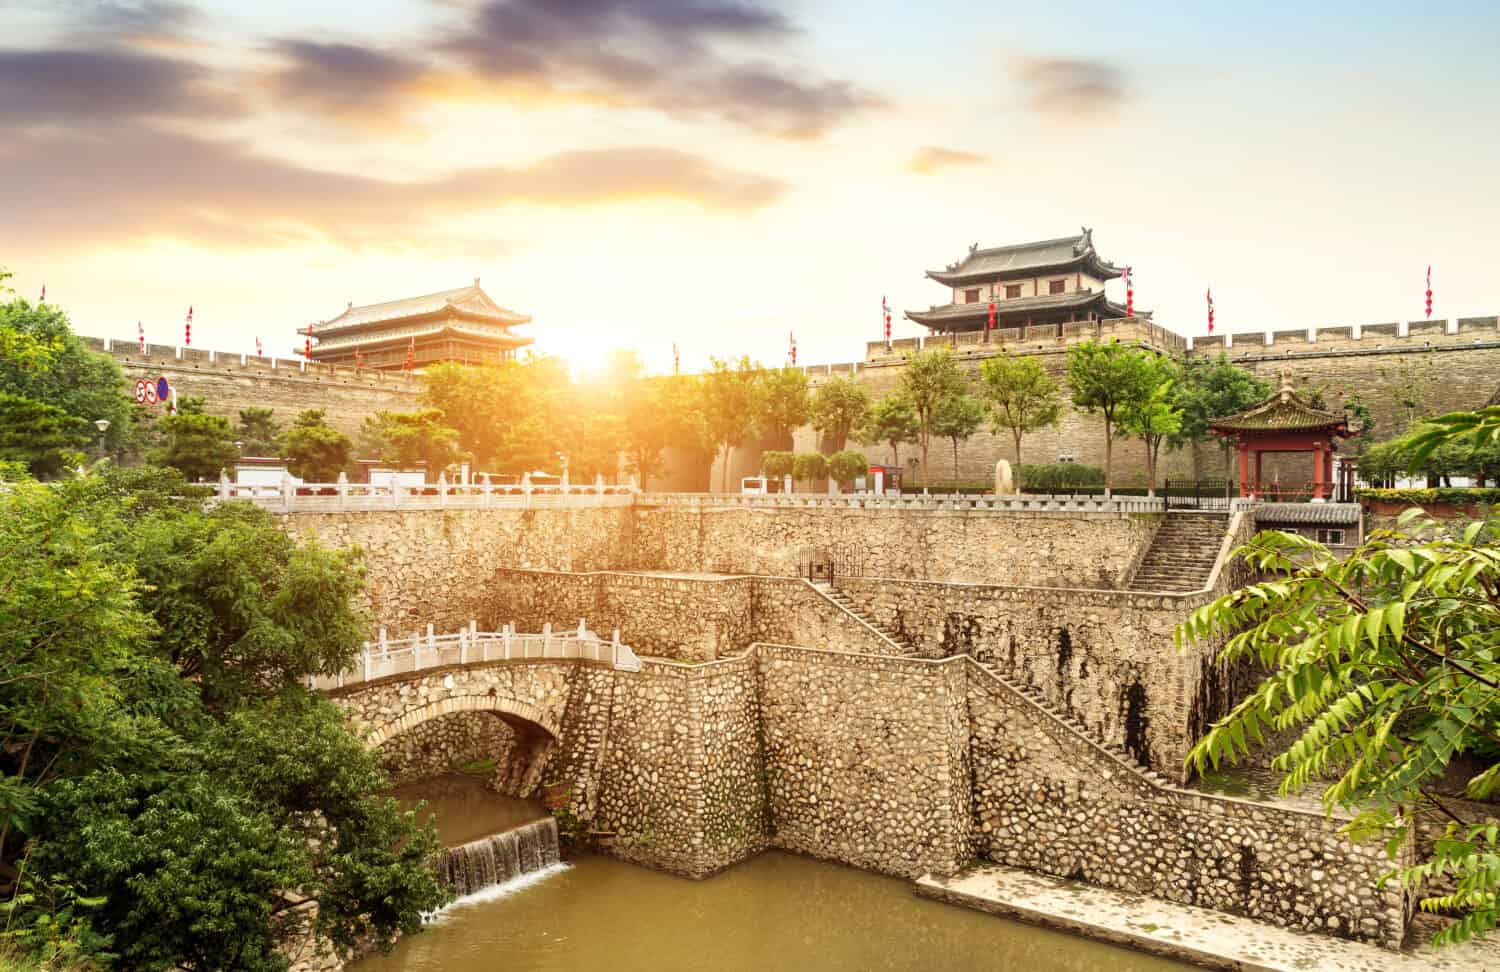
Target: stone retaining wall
446, 743
1044, 803
866, 760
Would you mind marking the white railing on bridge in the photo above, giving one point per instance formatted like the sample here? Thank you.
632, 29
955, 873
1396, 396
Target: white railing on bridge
1021, 502
384, 658
290, 496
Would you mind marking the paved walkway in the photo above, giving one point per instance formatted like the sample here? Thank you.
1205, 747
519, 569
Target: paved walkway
1207, 938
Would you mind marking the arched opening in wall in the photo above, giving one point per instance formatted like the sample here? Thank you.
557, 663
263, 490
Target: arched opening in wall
490, 742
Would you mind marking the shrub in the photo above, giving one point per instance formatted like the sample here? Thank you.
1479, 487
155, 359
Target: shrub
775, 465
847, 465
1059, 477
810, 466
1418, 497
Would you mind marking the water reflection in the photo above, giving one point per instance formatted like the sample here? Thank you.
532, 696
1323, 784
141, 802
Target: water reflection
778, 911
465, 808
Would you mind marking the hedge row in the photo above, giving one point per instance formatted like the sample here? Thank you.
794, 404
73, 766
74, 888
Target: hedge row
1443, 494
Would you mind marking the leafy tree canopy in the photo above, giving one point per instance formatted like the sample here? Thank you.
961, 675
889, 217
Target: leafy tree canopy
839, 407
258, 432
783, 403
1104, 379
929, 379
315, 451
1022, 396
197, 445
892, 421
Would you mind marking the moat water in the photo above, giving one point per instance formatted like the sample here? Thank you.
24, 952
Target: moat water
776, 911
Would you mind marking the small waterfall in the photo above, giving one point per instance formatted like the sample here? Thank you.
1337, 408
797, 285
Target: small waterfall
500, 857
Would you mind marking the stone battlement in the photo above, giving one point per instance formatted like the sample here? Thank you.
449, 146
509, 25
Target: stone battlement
168, 358
1392, 335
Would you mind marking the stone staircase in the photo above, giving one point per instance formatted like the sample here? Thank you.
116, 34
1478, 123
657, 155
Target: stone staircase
1025, 693
1182, 553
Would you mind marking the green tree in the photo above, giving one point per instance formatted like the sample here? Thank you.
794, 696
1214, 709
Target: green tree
685, 402
783, 404
1022, 396
929, 379
777, 465
45, 439
410, 438
847, 465
159, 752
1214, 388
46, 363
957, 418
809, 467
315, 451
1157, 417
1104, 379
197, 445
258, 432
650, 426
731, 403
1385, 660
891, 422
839, 407
506, 414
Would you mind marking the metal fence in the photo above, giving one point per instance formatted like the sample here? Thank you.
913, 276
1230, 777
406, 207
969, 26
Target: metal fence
384, 658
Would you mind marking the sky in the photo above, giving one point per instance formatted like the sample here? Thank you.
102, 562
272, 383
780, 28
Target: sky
723, 174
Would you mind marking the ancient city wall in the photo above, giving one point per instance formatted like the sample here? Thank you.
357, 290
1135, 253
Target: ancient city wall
230, 382
866, 762
1045, 803
432, 566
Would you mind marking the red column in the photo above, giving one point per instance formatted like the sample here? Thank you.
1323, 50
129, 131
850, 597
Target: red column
1244, 468
1257, 489
1328, 469
1320, 490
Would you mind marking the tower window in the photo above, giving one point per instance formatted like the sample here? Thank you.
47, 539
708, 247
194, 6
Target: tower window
1057, 286
971, 296
1012, 291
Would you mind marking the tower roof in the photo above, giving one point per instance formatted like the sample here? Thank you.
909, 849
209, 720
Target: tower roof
1028, 260
950, 315
470, 303
1285, 411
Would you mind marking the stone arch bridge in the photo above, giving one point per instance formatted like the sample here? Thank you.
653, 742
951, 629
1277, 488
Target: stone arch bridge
527, 681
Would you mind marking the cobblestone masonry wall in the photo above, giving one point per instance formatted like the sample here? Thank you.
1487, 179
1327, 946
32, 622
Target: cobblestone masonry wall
866, 763
427, 566
445, 743
1044, 803
1107, 656
679, 617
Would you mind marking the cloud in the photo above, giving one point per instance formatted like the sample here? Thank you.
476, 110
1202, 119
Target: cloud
72, 86
1070, 89
343, 81
141, 18
931, 158
130, 184
663, 55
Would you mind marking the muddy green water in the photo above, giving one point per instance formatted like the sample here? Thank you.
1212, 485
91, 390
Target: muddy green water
464, 809
777, 911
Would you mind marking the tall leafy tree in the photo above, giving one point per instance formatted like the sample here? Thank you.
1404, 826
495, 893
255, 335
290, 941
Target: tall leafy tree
930, 378
1157, 416
1021, 394
197, 445
731, 403
958, 417
315, 451
1214, 388
43, 438
1106, 378
892, 421
839, 407
783, 403
410, 438
258, 432
650, 425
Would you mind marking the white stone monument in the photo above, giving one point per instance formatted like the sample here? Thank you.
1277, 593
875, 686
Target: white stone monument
1004, 484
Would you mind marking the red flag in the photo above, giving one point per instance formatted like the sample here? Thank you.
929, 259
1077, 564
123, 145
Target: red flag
411, 350
1429, 290
187, 330
1129, 295
258, 353
307, 346
44, 293
359, 360
141, 330
1210, 310
793, 338
990, 324
675, 359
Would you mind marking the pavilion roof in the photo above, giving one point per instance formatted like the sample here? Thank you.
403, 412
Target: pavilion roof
1285, 411
1027, 260
1075, 300
469, 302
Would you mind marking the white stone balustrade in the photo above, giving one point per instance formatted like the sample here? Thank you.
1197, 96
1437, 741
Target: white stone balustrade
385, 658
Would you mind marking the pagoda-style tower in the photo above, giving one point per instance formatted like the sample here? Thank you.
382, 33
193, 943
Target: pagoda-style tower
1284, 423
1049, 282
462, 325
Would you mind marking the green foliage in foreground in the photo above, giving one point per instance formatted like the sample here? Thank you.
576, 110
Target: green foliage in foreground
1441, 494
164, 775
1388, 663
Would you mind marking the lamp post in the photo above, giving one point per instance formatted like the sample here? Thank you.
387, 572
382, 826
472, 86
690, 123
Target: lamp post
103, 426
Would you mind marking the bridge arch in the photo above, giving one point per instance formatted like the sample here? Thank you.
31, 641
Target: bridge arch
380, 733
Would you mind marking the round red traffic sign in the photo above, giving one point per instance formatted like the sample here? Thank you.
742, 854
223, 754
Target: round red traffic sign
140, 391
150, 393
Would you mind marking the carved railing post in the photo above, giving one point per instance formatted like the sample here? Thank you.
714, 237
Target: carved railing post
546, 638
442, 487
343, 490
287, 490
223, 485
367, 661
